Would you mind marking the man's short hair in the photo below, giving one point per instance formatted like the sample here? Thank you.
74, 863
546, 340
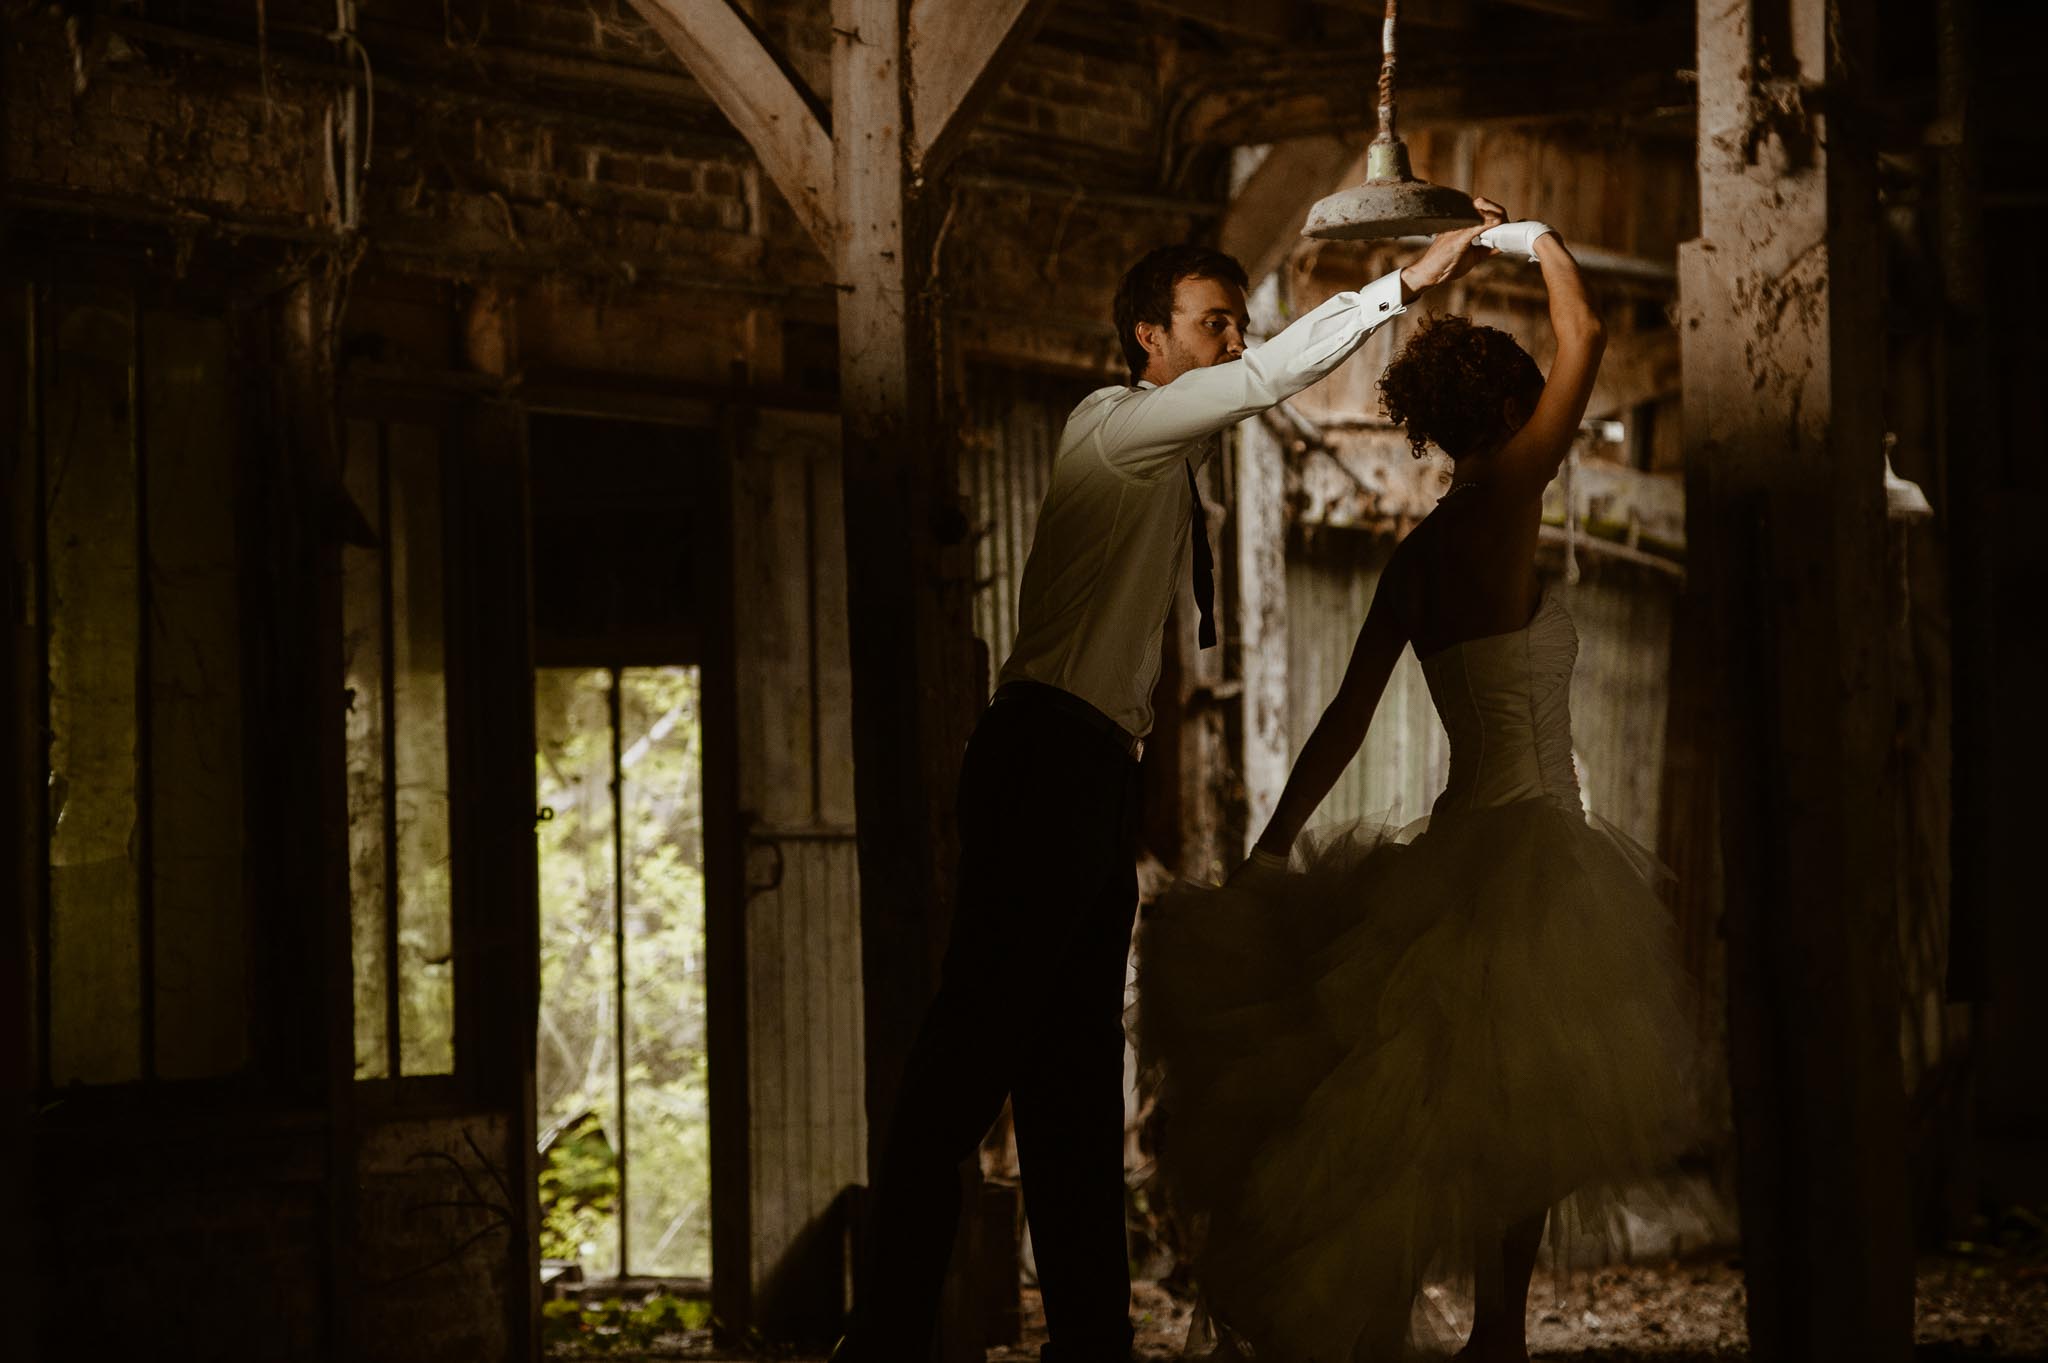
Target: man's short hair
1145, 294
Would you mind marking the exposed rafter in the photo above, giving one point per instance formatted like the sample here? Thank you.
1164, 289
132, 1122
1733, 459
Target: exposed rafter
960, 50
730, 60
1549, 71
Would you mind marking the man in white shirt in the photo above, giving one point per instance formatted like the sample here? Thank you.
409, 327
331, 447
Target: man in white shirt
1030, 999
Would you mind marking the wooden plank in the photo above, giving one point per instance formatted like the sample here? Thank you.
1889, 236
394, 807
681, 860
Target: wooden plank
726, 986
1261, 580
95, 656
363, 720
730, 59
24, 803
416, 592
959, 52
774, 649
196, 771
831, 668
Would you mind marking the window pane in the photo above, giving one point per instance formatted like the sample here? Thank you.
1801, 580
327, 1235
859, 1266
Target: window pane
94, 621
201, 931
362, 646
419, 716
576, 1069
668, 1150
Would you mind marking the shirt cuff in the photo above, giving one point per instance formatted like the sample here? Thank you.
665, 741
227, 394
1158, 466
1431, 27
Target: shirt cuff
1381, 299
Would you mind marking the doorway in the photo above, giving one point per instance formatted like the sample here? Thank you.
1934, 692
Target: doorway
625, 541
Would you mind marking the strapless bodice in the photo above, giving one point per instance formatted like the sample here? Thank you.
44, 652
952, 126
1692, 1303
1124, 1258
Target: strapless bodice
1505, 701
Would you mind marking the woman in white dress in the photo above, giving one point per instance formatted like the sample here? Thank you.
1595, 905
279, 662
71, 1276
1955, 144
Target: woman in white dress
1379, 1066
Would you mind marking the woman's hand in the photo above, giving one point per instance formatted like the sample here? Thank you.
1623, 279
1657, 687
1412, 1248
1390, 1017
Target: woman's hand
1451, 254
1260, 870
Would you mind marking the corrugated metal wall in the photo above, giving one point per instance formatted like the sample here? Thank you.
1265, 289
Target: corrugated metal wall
1621, 692
1331, 576
1618, 693
1014, 418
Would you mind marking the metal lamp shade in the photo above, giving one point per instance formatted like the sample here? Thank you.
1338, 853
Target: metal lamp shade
1390, 203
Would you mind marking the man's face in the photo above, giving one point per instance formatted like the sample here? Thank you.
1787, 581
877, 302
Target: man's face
1209, 319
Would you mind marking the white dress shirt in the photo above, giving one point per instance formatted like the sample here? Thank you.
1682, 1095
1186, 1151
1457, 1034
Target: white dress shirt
1112, 543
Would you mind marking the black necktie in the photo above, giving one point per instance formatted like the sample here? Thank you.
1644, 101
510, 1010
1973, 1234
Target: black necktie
1205, 567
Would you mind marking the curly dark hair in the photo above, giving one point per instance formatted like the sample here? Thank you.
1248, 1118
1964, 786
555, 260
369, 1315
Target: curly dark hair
1448, 383
1145, 293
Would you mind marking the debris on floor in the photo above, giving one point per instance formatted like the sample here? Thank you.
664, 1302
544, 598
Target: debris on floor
1972, 1309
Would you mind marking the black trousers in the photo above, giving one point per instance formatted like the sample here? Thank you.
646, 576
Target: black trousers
1029, 1007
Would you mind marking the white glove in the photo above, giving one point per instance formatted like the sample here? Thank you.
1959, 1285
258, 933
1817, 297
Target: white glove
1517, 239
1258, 868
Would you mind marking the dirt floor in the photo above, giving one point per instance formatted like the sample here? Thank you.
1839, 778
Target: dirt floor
1676, 1313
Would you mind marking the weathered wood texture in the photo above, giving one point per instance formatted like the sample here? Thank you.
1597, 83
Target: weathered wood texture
1260, 532
908, 575
22, 806
958, 55
434, 1235
807, 1137
1782, 336
724, 52
491, 744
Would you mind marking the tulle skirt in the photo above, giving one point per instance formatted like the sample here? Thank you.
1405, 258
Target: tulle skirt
1371, 1065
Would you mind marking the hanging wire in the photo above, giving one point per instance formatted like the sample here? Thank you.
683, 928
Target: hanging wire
1387, 74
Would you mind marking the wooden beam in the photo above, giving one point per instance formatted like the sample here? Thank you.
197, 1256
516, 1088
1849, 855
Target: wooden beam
1784, 341
909, 575
1263, 223
959, 52
1581, 10
729, 58
1448, 76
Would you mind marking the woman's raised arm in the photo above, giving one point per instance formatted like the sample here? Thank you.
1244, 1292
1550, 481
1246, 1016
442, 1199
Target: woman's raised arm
1530, 459
1341, 730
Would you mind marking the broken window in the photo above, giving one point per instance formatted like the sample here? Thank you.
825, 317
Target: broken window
395, 693
143, 941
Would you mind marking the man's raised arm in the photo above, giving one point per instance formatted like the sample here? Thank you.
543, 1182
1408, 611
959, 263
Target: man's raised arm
1145, 431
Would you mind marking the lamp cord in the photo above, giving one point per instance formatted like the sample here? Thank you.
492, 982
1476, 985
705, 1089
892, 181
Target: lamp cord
1387, 75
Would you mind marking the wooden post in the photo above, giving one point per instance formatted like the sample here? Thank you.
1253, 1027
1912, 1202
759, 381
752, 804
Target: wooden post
23, 798
1970, 453
907, 76
908, 579
1262, 619
498, 913
1783, 344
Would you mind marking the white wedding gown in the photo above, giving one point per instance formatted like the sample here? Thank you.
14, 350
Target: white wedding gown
1414, 1038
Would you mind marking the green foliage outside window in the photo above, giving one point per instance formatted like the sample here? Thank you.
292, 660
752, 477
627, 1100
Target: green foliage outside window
666, 1119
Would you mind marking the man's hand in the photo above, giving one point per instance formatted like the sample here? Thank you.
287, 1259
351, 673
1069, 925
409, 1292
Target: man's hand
1450, 254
